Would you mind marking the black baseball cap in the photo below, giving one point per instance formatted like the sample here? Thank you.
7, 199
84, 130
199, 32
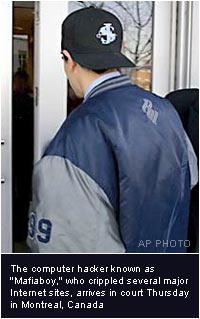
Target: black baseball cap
93, 37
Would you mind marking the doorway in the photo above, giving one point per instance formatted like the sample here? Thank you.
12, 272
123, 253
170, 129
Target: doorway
22, 118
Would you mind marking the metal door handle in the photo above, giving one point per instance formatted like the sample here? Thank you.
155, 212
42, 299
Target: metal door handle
2, 142
3, 180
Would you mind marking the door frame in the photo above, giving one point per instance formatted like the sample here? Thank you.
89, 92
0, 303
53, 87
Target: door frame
164, 47
50, 84
6, 125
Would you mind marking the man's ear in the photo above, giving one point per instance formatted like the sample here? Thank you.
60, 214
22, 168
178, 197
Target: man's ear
70, 61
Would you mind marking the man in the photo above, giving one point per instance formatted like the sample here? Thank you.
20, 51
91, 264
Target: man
116, 177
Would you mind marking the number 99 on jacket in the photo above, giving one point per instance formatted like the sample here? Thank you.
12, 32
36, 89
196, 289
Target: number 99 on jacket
39, 229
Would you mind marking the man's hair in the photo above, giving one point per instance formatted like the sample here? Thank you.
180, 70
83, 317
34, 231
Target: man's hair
104, 70
99, 71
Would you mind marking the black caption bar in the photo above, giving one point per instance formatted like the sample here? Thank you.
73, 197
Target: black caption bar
99, 285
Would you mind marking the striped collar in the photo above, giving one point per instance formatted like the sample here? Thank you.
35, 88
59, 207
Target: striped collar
109, 84
99, 80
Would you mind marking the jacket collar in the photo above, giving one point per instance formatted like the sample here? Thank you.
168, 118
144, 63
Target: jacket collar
109, 84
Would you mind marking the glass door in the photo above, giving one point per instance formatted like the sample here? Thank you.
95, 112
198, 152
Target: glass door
22, 118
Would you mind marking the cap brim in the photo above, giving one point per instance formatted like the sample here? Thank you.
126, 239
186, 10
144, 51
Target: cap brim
99, 61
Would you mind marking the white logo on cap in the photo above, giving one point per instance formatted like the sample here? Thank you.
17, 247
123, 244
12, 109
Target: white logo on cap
106, 33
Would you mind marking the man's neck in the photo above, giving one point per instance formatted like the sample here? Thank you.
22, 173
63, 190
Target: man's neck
87, 76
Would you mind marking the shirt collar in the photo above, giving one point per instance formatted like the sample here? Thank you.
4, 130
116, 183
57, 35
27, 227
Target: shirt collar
99, 80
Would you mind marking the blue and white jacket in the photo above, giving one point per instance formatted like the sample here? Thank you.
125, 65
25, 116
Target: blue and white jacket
115, 178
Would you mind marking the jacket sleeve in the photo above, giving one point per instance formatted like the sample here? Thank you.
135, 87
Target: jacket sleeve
70, 212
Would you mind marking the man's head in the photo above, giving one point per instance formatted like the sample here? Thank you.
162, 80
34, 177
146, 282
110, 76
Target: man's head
20, 81
91, 41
